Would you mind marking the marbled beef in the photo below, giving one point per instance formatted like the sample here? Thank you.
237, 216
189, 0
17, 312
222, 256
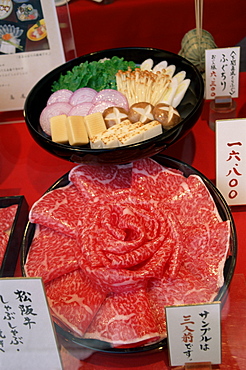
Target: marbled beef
144, 237
74, 301
7, 216
125, 318
95, 179
59, 209
51, 254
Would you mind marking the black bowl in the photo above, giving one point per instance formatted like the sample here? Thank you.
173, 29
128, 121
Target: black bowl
189, 109
74, 343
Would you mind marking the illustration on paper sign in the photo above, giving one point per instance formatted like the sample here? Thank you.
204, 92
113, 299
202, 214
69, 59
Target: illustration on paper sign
22, 27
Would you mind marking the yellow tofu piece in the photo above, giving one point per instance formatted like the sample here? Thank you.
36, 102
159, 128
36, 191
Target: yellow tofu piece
94, 124
76, 131
59, 129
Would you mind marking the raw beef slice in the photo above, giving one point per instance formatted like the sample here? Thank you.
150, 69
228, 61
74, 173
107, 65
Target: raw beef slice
93, 180
59, 210
125, 319
194, 204
51, 254
7, 216
4, 238
73, 301
154, 181
188, 198
201, 272
166, 188
207, 247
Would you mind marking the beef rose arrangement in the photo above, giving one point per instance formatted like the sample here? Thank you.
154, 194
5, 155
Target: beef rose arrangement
119, 243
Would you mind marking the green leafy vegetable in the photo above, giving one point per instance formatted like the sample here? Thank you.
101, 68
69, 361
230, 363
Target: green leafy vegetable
97, 75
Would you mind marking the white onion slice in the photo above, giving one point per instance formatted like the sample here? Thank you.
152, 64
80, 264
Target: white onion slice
59, 96
52, 110
100, 107
116, 98
84, 94
81, 109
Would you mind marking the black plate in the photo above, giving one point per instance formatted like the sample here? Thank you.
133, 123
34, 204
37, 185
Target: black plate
7, 268
189, 109
225, 214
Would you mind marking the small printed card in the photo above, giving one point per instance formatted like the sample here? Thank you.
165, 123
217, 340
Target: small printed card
27, 339
222, 72
194, 333
30, 47
231, 160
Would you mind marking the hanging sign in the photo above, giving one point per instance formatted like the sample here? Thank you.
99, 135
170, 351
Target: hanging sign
27, 339
30, 47
194, 334
222, 72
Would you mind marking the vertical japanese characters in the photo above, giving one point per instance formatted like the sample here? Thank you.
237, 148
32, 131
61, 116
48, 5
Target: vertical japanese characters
222, 72
11, 334
198, 327
234, 173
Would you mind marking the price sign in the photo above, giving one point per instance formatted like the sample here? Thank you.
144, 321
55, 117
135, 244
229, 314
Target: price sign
27, 339
231, 160
194, 333
222, 72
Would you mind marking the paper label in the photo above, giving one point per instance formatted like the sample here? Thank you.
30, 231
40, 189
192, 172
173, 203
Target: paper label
30, 47
231, 160
27, 339
194, 333
222, 72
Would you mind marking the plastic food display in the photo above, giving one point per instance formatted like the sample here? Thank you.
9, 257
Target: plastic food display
189, 109
215, 209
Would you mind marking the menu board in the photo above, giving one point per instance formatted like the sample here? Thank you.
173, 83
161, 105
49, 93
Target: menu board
30, 47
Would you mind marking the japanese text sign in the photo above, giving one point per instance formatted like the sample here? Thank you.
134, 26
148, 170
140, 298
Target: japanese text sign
30, 47
27, 339
222, 72
194, 333
231, 160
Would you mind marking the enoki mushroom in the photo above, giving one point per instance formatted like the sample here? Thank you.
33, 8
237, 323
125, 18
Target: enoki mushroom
142, 85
